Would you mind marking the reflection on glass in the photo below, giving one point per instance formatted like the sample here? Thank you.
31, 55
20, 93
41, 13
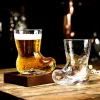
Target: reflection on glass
76, 70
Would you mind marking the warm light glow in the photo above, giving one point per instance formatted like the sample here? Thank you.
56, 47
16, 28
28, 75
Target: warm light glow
11, 29
71, 7
70, 3
72, 34
99, 53
15, 18
97, 41
94, 34
90, 67
12, 25
68, 19
11, 21
92, 40
80, 3
68, 24
23, 18
0, 26
68, 31
71, 10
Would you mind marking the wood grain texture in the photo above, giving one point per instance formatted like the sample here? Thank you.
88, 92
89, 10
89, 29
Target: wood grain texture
52, 91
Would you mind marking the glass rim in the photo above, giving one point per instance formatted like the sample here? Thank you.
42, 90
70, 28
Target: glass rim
75, 39
26, 29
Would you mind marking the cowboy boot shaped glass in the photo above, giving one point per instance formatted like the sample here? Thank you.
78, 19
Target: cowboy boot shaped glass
29, 59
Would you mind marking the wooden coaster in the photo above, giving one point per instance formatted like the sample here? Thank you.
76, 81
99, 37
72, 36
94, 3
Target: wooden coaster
27, 80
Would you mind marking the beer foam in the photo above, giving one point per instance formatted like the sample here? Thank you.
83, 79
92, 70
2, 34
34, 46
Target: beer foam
27, 36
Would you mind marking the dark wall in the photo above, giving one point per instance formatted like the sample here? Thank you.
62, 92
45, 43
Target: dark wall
49, 17
4, 38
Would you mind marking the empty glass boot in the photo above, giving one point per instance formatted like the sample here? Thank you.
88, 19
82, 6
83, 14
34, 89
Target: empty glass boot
29, 59
76, 70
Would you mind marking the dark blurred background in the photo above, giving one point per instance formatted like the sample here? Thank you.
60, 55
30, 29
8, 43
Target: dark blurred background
49, 16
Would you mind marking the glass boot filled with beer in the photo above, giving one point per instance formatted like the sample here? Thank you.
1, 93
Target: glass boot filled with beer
29, 59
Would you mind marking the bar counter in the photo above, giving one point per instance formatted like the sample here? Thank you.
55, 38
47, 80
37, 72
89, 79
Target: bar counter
50, 91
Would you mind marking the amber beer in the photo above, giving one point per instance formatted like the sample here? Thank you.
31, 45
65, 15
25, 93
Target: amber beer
29, 59
27, 44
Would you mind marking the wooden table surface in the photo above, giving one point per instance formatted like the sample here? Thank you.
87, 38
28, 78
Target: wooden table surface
51, 91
